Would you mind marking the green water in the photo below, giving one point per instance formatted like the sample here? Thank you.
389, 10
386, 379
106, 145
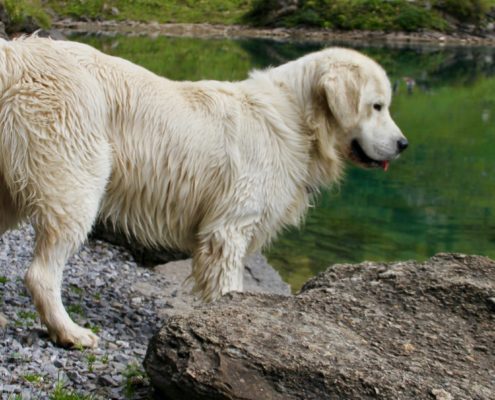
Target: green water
439, 196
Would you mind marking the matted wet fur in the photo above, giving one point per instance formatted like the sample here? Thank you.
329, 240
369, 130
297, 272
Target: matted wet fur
211, 168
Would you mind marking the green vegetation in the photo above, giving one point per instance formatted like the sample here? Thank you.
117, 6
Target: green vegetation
214, 11
91, 359
27, 315
62, 393
33, 378
76, 290
75, 309
94, 328
134, 377
25, 12
465, 10
26, 318
390, 15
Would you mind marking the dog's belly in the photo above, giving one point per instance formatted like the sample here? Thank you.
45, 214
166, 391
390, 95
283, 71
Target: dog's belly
154, 210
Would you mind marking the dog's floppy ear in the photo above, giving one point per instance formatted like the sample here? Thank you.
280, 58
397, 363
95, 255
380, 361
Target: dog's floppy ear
342, 86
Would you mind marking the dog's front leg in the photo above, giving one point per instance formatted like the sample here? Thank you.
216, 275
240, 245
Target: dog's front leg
218, 262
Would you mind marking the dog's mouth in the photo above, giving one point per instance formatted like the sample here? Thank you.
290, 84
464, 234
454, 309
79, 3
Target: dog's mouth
359, 156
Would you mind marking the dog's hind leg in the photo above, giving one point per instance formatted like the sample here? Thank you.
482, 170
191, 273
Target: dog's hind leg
55, 158
62, 221
62, 196
44, 281
65, 200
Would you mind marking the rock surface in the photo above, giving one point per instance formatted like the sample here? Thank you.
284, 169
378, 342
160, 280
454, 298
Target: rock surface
403, 330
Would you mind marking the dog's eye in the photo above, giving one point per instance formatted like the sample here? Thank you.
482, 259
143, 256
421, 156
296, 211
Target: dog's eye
377, 107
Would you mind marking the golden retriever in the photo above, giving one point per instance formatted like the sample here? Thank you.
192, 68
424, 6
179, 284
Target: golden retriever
212, 168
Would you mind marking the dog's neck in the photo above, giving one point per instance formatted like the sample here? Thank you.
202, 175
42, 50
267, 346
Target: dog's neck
301, 80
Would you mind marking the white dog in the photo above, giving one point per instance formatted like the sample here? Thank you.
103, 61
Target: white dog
212, 168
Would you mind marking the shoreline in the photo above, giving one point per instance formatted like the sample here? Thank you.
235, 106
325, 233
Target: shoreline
211, 31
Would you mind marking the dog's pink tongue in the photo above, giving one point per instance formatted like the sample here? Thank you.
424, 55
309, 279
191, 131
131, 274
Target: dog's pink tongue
385, 165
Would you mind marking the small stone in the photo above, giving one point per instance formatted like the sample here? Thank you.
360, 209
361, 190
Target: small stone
30, 339
50, 369
112, 346
408, 347
441, 394
136, 301
11, 388
74, 376
26, 394
491, 303
122, 343
140, 351
389, 274
119, 366
107, 380
3, 321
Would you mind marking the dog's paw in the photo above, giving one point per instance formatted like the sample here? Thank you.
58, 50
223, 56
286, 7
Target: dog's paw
75, 337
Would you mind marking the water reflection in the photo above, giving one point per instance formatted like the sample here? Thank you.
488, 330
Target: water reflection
437, 197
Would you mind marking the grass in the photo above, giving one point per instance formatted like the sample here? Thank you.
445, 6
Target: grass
134, 377
33, 378
26, 318
95, 329
60, 392
390, 15
75, 309
190, 11
27, 315
21, 11
76, 290
91, 359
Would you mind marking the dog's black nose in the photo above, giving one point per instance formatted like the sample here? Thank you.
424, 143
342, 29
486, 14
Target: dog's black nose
402, 144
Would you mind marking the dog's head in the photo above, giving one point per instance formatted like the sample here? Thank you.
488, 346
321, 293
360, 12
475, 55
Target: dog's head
358, 94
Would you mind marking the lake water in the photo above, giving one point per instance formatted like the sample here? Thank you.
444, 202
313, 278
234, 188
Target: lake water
439, 196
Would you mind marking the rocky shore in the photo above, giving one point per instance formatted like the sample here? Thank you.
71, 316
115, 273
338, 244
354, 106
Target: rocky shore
404, 330
209, 31
67, 27
106, 290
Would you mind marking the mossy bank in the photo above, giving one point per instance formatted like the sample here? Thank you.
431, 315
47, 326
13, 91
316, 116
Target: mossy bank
473, 16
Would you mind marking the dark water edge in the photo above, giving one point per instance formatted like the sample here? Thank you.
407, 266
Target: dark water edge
437, 197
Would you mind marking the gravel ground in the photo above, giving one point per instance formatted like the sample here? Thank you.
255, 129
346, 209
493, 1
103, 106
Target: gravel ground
99, 292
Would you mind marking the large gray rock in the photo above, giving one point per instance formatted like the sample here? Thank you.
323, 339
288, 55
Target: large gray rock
402, 330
